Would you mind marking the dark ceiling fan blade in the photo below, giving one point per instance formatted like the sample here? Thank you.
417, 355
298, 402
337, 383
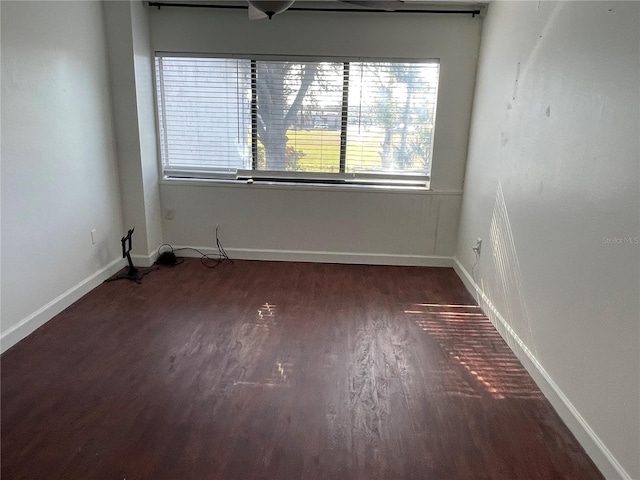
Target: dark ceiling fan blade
268, 7
386, 5
255, 14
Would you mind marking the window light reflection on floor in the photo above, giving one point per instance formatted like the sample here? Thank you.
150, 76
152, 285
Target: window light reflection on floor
266, 315
485, 364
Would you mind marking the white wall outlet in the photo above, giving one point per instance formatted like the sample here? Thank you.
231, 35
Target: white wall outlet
478, 247
94, 236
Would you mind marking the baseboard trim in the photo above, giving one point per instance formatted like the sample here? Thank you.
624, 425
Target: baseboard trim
593, 445
324, 257
145, 260
31, 323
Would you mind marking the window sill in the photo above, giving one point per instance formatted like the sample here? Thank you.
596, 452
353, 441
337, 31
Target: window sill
326, 187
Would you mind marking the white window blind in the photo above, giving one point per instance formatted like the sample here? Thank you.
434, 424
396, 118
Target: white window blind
321, 121
299, 109
204, 107
391, 117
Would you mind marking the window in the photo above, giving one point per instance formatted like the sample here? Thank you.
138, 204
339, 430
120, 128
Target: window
296, 120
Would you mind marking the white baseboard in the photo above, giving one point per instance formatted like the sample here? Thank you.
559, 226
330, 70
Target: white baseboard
324, 257
29, 324
145, 260
593, 445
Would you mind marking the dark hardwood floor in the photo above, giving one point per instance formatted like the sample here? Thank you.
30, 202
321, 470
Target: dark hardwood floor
266, 370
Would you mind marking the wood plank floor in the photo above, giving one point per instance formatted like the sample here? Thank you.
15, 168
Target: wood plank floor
267, 370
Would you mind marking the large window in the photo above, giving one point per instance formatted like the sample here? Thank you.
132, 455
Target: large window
297, 120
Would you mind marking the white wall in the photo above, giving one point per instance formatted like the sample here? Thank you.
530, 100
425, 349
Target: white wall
145, 86
315, 224
288, 223
59, 178
131, 67
552, 187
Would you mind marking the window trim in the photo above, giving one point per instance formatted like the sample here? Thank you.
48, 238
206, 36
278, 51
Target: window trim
251, 176
199, 175
296, 58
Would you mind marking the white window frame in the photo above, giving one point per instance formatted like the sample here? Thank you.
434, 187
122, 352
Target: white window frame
409, 180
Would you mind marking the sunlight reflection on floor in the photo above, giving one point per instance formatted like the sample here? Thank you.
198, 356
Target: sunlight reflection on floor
468, 337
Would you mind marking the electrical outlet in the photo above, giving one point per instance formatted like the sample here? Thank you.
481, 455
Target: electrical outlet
478, 248
94, 236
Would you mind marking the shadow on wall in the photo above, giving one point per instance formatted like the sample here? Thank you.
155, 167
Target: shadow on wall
502, 288
550, 24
